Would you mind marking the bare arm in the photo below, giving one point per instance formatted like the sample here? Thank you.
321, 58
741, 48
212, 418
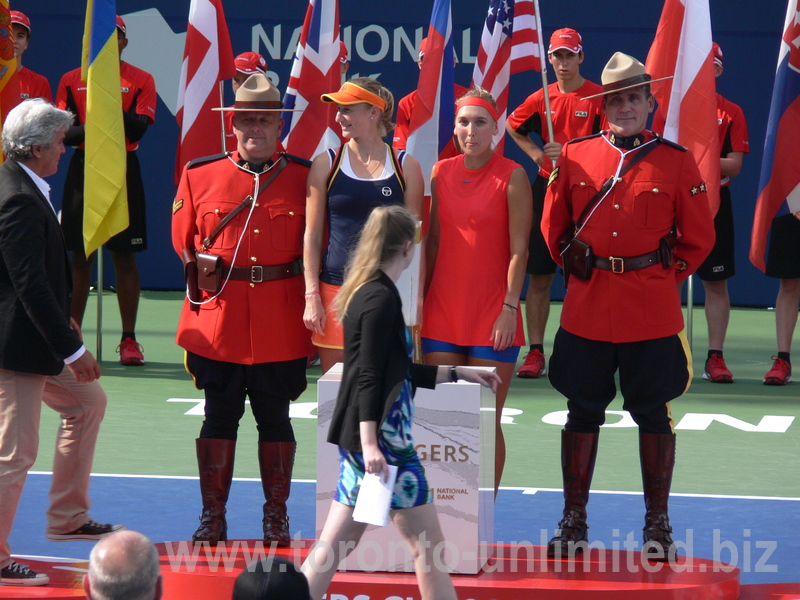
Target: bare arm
316, 205
415, 186
527, 145
731, 165
520, 216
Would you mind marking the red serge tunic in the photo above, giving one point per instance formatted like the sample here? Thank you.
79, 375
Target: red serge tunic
247, 323
470, 279
663, 190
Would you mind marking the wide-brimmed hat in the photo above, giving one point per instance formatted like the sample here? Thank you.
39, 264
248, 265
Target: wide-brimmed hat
257, 93
623, 72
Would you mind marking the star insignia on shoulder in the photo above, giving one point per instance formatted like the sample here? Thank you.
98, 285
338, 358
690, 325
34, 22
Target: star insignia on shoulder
703, 187
694, 190
553, 176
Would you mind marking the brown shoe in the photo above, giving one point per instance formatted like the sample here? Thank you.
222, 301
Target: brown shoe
276, 461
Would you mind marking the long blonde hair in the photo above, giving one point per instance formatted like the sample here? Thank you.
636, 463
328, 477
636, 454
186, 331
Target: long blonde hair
386, 231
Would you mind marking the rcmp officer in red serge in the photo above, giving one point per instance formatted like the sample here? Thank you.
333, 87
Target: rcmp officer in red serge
622, 310
242, 216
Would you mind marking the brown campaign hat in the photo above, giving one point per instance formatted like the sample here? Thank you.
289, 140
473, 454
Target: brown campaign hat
257, 93
623, 72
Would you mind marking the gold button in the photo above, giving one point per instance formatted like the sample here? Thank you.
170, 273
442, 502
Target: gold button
216, 212
615, 234
256, 231
583, 184
655, 190
257, 205
291, 212
616, 206
253, 258
252, 284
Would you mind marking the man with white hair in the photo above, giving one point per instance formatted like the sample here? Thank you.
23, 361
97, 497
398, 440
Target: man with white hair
124, 566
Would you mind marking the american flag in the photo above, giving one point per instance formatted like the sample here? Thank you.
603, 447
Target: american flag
315, 71
431, 126
779, 185
509, 44
207, 61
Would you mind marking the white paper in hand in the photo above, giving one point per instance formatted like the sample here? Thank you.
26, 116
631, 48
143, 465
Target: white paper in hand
375, 498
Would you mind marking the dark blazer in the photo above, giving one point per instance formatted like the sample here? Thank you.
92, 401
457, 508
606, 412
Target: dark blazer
35, 279
375, 362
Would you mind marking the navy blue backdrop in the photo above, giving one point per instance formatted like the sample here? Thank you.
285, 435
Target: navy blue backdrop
380, 35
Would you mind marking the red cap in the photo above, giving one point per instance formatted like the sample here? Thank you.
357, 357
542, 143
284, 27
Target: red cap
343, 52
423, 46
715, 49
121, 26
250, 63
20, 19
566, 38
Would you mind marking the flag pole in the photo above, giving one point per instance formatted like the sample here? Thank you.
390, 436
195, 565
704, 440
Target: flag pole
544, 74
100, 304
222, 114
689, 309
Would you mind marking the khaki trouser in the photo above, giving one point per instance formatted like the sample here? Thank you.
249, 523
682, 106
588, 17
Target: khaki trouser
81, 406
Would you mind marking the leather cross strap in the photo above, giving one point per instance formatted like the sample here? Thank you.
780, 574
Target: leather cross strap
209, 239
602, 191
259, 273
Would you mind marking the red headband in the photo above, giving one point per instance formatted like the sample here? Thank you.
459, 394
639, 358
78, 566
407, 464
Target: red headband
477, 101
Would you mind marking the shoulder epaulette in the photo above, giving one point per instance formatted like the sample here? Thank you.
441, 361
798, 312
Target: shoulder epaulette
585, 137
671, 143
298, 159
205, 159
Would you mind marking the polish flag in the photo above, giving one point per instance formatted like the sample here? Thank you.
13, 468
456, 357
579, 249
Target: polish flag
688, 102
207, 62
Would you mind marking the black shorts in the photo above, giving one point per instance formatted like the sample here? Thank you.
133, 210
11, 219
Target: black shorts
134, 238
651, 374
783, 257
539, 260
721, 263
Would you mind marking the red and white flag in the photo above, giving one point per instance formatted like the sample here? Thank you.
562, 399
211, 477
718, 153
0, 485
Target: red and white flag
207, 61
315, 71
508, 45
687, 104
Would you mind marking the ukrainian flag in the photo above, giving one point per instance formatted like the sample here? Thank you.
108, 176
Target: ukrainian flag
105, 193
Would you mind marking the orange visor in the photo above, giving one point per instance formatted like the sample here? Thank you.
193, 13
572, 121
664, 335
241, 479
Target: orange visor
350, 93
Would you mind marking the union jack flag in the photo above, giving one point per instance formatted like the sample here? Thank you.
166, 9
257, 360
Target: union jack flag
509, 33
315, 71
779, 185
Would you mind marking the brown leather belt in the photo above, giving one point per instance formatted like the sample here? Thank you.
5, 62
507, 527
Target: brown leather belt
259, 273
631, 263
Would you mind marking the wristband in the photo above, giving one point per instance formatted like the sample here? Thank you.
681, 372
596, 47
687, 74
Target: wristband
453, 374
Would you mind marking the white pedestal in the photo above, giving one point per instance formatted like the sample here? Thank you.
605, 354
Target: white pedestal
454, 433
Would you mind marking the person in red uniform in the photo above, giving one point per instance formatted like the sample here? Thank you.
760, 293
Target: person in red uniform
625, 313
244, 335
573, 116
139, 112
31, 85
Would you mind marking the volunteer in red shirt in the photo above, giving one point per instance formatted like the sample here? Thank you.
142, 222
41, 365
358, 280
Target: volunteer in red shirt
138, 112
31, 85
573, 116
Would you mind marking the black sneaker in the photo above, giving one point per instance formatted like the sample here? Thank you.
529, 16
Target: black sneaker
17, 574
91, 531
